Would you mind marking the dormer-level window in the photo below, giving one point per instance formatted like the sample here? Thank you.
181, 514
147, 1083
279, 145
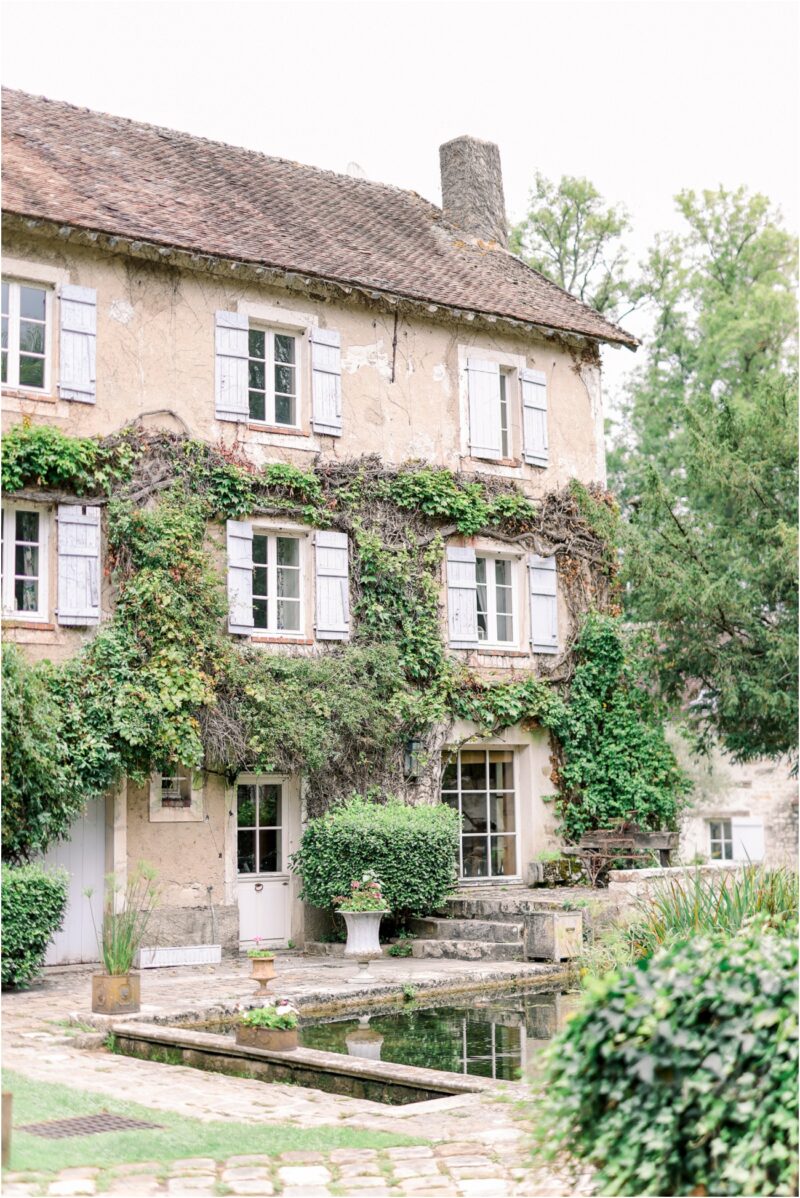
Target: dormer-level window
24, 562
272, 366
26, 325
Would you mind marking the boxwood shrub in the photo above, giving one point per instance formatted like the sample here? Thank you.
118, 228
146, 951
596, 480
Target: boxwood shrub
679, 1075
34, 901
411, 849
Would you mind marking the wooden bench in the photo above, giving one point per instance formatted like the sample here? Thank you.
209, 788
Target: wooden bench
597, 851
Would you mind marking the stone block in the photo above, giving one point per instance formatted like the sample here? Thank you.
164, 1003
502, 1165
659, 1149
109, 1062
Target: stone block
304, 1175
553, 935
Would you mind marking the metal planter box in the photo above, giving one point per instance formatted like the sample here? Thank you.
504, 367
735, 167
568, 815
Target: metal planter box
553, 935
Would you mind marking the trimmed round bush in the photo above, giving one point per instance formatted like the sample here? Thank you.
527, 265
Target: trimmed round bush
679, 1075
34, 901
412, 850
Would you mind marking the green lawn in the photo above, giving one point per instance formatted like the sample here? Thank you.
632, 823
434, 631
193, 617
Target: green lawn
36, 1102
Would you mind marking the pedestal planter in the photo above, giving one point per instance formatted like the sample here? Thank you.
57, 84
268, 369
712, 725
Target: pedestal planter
274, 1039
363, 1041
363, 940
263, 970
116, 994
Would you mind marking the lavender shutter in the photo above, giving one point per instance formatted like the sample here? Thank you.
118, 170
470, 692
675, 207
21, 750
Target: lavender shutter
462, 598
231, 373
332, 586
77, 351
534, 417
326, 381
78, 565
485, 436
240, 577
544, 603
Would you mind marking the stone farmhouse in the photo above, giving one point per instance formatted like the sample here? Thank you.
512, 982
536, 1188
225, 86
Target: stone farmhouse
294, 315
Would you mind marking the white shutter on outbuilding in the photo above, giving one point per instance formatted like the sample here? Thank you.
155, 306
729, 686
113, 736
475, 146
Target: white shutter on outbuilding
748, 839
485, 434
534, 417
326, 381
544, 603
77, 350
231, 373
462, 598
332, 586
240, 577
78, 565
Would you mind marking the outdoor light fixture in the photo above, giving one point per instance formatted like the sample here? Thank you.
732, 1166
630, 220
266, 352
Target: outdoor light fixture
411, 760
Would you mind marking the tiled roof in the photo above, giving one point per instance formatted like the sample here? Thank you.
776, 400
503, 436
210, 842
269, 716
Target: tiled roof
105, 173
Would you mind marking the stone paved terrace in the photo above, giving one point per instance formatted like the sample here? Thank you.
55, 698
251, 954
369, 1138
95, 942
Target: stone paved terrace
479, 1142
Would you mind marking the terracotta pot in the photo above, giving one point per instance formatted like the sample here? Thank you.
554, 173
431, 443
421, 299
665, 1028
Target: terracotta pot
118, 994
274, 1039
263, 970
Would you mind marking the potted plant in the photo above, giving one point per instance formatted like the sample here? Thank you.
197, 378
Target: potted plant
272, 1028
126, 917
262, 963
363, 909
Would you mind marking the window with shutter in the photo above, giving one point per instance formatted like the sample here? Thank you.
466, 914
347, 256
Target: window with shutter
534, 417
495, 586
332, 586
26, 325
273, 378
78, 565
232, 401
25, 588
485, 409
544, 603
462, 598
77, 350
326, 381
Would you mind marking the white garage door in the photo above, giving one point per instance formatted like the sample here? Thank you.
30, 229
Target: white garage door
84, 857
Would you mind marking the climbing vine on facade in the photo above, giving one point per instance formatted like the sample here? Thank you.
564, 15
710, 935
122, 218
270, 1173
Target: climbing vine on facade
163, 681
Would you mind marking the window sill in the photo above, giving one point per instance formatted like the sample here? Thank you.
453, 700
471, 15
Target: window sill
515, 462
281, 640
35, 396
33, 625
501, 651
283, 429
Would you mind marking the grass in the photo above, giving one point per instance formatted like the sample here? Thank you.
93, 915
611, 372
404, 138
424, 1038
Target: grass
177, 1138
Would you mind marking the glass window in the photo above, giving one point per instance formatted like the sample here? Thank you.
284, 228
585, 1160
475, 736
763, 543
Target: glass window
494, 577
24, 562
479, 784
273, 378
259, 808
176, 788
277, 583
25, 335
505, 440
720, 837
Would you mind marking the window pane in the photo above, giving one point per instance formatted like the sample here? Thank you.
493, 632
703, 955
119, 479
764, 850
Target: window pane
256, 375
505, 628
475, 856
504, 856
26, 595
269, 811
259, 613
27, 526
26, 561
5, 299
258, 407
284, 379
501, 769
284, 348
32, 302
176, 790
269, 851
288, 583
247, 852
31, 371
246, 800
284, 409
502, 573
473, 812
31, 337
260, 550
501, 812
715, 830
450, 800
473, 769
289, 615
4, 367
5, 332
260, 588
288, 551
255, 340
450, 773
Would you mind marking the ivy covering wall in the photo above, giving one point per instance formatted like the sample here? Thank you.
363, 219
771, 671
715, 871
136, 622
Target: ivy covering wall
162, 680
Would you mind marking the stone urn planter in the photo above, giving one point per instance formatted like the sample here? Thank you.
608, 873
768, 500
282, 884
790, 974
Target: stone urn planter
274, 1039
363, 941
116, 994
363, 1041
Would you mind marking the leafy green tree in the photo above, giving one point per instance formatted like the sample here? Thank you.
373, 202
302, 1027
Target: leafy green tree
574, 238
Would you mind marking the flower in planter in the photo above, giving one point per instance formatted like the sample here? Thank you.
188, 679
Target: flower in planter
281, 1016
258, 953
366, 894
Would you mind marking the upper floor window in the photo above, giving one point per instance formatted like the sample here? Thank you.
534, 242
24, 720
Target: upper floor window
507, 413
272, 367
24, 555
494, 577
26, 321
277, 583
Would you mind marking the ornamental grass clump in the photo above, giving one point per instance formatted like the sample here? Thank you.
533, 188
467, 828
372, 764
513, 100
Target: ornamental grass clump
126, 918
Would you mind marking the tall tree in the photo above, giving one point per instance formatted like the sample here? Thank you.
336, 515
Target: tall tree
574, 238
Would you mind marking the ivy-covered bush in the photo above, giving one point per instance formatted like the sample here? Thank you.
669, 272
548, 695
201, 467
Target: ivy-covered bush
33, 906
679, 1076
411, 849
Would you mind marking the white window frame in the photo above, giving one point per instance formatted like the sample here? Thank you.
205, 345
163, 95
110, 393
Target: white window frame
508, 377
270, 332
273, 535
460, 791
42, 613
491, 640
12, 381
258, 780
724, 839
192, 814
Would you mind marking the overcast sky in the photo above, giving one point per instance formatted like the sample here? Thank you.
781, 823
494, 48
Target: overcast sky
644, 97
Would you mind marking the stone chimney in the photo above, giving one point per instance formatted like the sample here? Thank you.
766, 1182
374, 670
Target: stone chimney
472, 188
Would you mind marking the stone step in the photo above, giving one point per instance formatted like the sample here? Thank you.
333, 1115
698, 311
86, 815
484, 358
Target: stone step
501, 931
508, 909
467, 950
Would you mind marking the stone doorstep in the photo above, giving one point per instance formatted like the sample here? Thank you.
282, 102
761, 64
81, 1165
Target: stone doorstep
467, 950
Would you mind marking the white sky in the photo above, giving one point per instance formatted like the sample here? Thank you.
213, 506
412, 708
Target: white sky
645, 97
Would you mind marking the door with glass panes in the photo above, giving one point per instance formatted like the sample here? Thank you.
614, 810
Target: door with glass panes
261, 860
480, 785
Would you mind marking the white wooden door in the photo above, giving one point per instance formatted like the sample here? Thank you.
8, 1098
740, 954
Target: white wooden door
262, 860
84, 858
